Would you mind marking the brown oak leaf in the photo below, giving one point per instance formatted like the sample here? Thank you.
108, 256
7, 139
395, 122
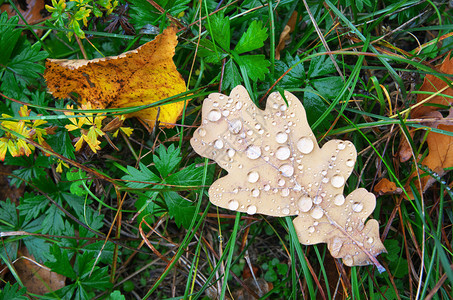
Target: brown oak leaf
275, 167
440, 155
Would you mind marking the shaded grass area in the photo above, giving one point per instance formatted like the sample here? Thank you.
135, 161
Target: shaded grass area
136, 222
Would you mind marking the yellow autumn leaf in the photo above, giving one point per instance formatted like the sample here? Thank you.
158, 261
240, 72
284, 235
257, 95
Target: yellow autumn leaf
138, 77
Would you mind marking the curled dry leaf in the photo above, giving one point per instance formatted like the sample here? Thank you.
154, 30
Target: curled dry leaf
285, 35
386, 187
138, 77
275, 167
439, 156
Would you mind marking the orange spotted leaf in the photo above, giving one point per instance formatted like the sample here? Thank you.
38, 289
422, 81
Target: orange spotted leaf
138, 77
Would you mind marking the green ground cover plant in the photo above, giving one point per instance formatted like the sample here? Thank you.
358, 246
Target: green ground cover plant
124, 213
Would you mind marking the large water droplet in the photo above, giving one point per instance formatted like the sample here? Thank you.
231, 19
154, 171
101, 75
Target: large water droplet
285, 192
233, 204
357, 207
339, 199
287, 170
311, 229
341, 146
281, 137
202, 132
267, 188
285, 211
251, 209
317, 200
305, 145
235, 126
218, 144
350, 163
238, 105
253, 176
348, 260
317, 213
282, 153
337, 181
214, 115
255, 192
253, 152
305, 203
231, 153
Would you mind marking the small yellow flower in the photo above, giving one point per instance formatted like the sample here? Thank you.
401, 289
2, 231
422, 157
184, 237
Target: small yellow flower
90, 135
17, 131
60, 166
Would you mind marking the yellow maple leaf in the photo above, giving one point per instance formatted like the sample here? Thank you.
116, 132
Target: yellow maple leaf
138, 77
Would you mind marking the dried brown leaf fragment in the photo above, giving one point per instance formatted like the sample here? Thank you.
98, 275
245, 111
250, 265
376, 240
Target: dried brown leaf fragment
275, 167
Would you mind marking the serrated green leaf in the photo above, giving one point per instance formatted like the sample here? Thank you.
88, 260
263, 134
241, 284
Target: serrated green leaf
189, 176
219, 29
180, 209
8, 216
232, 77
53, 222
295, 77
88, 277
320, 65
32, 170
31, 206
116, 295
93, 219
256, 66
106, 254
10, 292
142, 13
315, 107
9, 248
9, 35
206, 50
81, 293
328, 87
144, 174
61, 143
60, 263
38, 247
253, 38
66, 292
23, 64
166, 160
75, 176
74, 201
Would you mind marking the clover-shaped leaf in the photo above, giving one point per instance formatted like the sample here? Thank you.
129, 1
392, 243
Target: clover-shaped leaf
275, 167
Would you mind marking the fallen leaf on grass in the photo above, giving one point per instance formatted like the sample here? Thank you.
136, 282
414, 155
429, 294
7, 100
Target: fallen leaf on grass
30, 10
440, 146
275, 167
37, 279
138, 77
285, 35
431, 85
386, 187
